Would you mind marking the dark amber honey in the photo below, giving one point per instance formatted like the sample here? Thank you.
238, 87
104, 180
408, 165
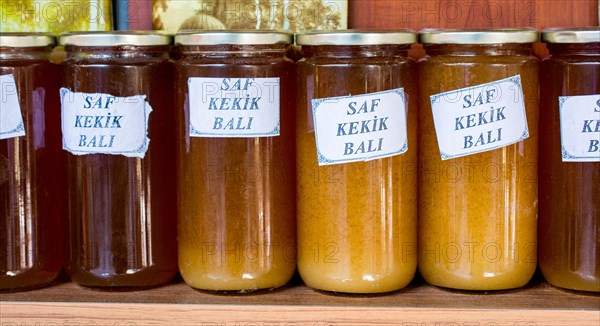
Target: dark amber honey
122, 210
32, 201
569, 220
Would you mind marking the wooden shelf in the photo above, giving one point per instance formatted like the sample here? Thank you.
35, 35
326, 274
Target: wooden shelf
65, 303
418, 305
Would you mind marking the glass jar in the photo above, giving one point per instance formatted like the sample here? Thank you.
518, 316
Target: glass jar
478, 126
569, 176
357, 182
32, 200
119, 126
235, 98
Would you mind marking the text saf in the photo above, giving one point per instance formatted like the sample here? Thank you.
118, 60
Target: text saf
100, 122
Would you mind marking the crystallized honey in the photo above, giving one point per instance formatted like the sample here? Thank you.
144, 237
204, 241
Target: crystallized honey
357, 137
478, 159
235, 105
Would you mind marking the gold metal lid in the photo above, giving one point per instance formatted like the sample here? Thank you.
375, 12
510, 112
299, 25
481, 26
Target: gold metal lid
233, 37
478, 36
115, 38
357, 37
26, 40
572, 35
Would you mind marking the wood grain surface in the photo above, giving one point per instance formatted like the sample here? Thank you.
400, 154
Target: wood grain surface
416, 15
130, 314
419, 304
420, 14
536, 295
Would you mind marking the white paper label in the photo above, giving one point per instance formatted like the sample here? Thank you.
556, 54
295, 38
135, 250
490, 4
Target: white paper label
234, 107
580, 128
96, 123
480, 118
11, 119
361, 127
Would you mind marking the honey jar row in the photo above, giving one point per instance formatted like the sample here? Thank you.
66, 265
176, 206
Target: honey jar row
213, 154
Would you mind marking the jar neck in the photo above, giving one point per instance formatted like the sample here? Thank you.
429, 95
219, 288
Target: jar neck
354, 51
479, 49
232, 51
587, 49
116, 52
34, 53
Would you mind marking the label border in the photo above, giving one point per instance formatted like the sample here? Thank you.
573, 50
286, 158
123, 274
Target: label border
564, 152
514, 79
140, 150
19, 129
273, 133
193, 132
324, 159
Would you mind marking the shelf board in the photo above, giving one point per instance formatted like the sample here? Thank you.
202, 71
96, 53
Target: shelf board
65, 303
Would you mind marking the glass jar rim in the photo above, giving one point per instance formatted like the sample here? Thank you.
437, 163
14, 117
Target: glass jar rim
115, 38
26, 40
357, 37
233, 37
478, 36
572, 35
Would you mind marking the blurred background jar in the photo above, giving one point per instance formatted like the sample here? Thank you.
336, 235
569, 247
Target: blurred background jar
478, 132
569, 174
32, 197
357, 181
235, 101
119, 129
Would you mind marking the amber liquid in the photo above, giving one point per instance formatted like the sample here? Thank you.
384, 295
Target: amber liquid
237, 229
123, 211
32, 198
356, 221
477, 213
569, 221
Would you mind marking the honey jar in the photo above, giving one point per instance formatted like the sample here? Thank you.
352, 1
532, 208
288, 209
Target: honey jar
235, 101
32, 201
357, 146
569, 174
478, 133
118, 128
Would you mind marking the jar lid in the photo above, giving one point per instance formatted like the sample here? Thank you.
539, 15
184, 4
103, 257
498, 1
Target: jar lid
474, 36
234, 37
115, 38
26, 40
572, 35
357, 37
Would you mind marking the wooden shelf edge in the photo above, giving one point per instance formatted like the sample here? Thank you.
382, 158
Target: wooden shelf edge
65, 303
78, 313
